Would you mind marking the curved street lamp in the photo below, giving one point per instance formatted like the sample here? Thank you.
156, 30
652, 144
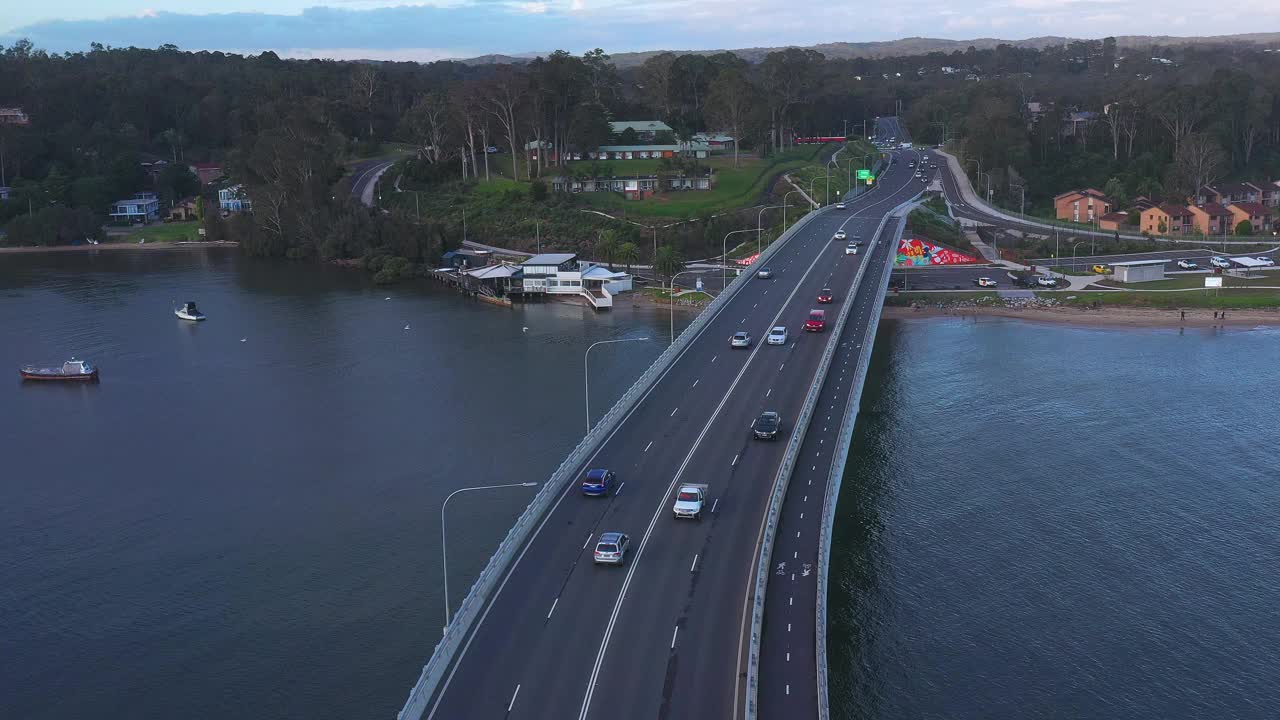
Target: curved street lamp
586, 389
724, 254
671, 298
444, 552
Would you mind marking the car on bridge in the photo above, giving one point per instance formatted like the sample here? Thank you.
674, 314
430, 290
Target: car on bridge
764, 273
840, 235
1188, 264
851, 248
777, 336
611, 548
766, 426
825, 297
839, 206
598, 481
740, 340
985, 282
817, 321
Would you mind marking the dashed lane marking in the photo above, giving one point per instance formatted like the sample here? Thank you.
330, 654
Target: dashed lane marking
553, 607
674, 633
588, 541
513, 699
646, 447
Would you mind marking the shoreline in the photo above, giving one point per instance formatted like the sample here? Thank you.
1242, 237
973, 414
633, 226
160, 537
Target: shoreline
31, 249
1106, 317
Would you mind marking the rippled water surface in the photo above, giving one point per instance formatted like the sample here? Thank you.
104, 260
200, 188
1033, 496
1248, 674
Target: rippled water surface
1053, 522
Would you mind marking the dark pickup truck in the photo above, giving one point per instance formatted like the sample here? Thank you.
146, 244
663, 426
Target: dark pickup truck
766, 426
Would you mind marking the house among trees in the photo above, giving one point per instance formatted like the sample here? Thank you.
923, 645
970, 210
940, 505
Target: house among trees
208, 172
564, 274
1257, 215
1081, 206
643, 130
233, 199
1113, 220
143, 207
185, 210
1227, 193
13, 116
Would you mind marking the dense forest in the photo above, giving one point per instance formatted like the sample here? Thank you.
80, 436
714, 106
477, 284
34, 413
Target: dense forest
286, 128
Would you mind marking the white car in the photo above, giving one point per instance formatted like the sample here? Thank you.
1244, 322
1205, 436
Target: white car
1046, 281
840, 235
764, 273
740, 340
839, 206
777, 336
1219, 262
984, 282
1188, 264
851, 249
1266, 260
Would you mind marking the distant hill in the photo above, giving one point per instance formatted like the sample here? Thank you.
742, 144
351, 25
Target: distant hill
919, 46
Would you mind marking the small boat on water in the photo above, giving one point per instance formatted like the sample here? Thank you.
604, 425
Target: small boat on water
71, 370
189, 312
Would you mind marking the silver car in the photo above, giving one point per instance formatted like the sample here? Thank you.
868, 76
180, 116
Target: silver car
612, 547
740, 340
764, 273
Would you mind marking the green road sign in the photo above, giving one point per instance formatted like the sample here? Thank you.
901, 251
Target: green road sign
864, 174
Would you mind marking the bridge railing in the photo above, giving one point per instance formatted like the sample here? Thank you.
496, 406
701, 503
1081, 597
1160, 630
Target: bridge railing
783, 480
482, 589
844, 440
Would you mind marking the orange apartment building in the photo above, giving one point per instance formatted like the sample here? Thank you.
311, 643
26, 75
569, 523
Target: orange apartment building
1166, 219
1210, 219
1082, 206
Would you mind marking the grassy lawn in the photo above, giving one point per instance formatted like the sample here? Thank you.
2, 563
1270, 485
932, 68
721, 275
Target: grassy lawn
1241, 298
905, 299
1182, 282
164, 233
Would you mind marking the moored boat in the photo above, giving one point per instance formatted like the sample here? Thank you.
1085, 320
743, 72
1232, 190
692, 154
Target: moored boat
70, 370
189, 312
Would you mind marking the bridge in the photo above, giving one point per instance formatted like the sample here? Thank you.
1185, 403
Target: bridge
714, 618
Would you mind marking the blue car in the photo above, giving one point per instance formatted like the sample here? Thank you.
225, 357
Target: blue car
598, 482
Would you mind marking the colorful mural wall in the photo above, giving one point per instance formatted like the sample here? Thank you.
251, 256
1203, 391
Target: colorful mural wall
914, 252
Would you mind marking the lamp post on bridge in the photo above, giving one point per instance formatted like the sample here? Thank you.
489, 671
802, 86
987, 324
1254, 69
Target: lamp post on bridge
586, 388
671, 297
784, 208
724, 255
444, 551
760, 215
1073, 254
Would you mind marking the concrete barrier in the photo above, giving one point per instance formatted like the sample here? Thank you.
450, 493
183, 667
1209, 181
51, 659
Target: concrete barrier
837, 475
784, 478
442, 658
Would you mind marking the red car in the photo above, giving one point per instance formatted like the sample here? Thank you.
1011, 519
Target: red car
825, 296
817, 321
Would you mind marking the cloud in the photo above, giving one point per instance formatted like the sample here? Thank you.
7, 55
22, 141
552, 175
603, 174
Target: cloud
535, 8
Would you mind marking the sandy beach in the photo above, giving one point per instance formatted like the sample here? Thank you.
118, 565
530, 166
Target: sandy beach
1120, 317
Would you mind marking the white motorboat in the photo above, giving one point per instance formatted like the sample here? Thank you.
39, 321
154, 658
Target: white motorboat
189, 312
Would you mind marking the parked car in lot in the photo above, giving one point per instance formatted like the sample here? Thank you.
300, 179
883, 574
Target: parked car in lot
740, 340
777, 336
851, 249
1188, 264
1219, 262
840, 235
839, 206
764, 273
598, 481
611, 548
985, 282
1101, 269
767, 425
817, 321
1266, 260
825, 296
1046, 281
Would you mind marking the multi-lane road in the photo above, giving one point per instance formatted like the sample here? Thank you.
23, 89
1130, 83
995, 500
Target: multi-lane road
665, 634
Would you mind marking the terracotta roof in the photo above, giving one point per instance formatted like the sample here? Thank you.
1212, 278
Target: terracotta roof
1234, 188
1216, 209
1252, 208
1173, 210
1115, 216
1086, 192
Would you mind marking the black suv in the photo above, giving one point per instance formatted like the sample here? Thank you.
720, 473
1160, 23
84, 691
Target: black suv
766, 426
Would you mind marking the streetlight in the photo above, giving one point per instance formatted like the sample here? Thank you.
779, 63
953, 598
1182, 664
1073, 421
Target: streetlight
586, 389
784, 208
811, 182
724, 255
671, 297
760, 215
1073, 254
979, 161
444, 552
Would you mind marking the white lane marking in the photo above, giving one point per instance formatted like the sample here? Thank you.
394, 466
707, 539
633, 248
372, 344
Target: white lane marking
588, 541
553, 607
795, 555
673, 412
714, 503
618, 492
781, 366
797, 533
646, 447
674, 633
769, 393
791, 601
695, 563
713, 358
513, 699
695, 382
801, 516
789, 624
788, 688
788, 657
742, 321
806, 498
735, 461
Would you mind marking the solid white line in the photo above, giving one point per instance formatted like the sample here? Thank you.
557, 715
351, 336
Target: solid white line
553, 607
513, 699
674, 633
695, 563
646, 447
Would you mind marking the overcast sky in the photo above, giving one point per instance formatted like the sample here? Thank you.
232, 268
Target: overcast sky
465, 28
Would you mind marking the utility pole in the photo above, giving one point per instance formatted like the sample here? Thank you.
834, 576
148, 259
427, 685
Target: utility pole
537, 233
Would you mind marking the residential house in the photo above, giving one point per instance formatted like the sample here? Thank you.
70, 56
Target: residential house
564, 274
1166, 219
1271, 194
1143, 202
1077, 123
714, 141
1211, 218
1081, 206
498, 280
153, 168
463, 258
645, 130
143, 207
13, 116
633, 187
1258, 216
208, 172
234, 199
184, 210
1227, 193
636, 152
1114, 221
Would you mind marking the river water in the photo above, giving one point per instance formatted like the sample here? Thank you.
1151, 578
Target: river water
242, 518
